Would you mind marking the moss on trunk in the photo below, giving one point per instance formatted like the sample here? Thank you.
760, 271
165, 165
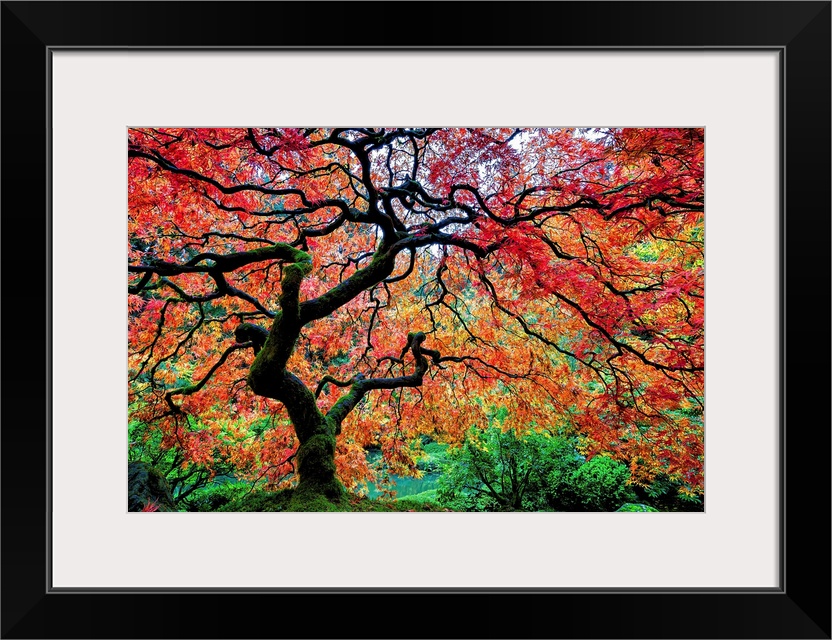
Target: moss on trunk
318, 486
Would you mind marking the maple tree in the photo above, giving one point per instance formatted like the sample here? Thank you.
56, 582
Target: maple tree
298, 295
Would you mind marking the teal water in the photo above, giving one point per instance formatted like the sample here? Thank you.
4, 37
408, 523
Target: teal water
405, 486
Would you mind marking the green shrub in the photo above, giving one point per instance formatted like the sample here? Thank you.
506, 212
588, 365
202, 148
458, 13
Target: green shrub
260, 501
636, 508
600, 485
215, 496
669, 495
495, 470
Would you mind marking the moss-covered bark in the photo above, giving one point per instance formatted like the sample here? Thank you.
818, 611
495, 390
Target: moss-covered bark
318, 487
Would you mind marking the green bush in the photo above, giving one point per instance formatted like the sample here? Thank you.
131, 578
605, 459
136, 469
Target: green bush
600, 485
495, 470
668, 495
260, 501
636, 508
215, 496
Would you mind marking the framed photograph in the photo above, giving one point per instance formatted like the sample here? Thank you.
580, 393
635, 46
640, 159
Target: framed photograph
290, 178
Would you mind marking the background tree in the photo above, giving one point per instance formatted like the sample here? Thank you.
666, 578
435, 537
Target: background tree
356, 287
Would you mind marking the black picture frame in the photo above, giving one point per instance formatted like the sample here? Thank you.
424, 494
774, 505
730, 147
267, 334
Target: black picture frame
799, 608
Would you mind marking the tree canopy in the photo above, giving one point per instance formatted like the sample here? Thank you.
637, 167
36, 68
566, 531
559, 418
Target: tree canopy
296, 296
